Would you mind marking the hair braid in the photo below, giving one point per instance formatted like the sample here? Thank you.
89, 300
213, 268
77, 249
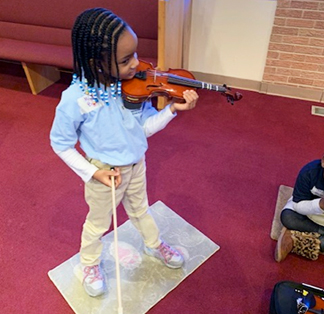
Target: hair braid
86, 46
116, 37
105, 43
95, 31
95, 43
77, 35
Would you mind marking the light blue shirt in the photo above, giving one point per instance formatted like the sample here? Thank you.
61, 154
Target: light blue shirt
111, 134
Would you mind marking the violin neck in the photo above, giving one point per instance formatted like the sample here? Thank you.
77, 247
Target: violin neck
174, 79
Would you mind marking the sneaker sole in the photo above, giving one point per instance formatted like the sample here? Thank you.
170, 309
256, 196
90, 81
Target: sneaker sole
101, 292
279, 255
148, 253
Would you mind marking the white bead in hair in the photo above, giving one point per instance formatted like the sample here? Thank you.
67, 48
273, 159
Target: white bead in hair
93, 92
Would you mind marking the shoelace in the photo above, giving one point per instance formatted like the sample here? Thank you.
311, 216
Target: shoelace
166, 251
93, 273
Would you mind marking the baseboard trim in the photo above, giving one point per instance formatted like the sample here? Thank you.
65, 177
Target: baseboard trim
263, 87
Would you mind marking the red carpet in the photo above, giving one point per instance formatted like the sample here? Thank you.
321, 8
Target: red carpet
217, 166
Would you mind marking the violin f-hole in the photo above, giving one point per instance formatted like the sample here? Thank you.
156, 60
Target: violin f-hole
153, 86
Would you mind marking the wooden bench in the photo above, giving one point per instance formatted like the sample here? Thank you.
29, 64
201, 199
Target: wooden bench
37, 33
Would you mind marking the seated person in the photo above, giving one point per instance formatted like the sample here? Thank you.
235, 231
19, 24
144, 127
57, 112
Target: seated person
303, 215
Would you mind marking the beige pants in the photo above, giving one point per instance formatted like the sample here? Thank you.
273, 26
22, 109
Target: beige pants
132, 193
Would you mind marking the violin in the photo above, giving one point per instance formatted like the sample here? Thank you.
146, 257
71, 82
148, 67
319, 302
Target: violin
149, 82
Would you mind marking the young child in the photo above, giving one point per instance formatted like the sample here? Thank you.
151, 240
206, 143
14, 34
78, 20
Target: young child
113, 137
303, 215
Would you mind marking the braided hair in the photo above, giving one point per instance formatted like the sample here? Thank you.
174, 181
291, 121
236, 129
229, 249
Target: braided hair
95, 32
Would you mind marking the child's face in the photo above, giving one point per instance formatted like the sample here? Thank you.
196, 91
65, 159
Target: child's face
126, 55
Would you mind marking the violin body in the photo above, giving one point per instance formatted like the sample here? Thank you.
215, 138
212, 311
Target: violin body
149, 82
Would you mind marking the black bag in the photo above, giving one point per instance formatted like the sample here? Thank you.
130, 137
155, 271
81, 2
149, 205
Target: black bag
290, 297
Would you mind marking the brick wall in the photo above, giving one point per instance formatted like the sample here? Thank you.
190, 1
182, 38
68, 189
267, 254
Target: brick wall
296, 49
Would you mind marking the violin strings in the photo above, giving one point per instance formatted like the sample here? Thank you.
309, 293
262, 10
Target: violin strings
175, 79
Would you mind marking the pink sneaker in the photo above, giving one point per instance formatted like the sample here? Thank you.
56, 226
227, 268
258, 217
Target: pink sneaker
169, 256
93, 280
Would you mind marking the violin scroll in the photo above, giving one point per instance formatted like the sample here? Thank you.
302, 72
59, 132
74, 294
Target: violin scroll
230, 96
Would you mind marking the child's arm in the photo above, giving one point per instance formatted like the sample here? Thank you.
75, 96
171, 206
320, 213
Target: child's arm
159, 120
87, 170
309, 207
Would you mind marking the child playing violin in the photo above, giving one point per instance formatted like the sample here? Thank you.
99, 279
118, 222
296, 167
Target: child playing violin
113, 138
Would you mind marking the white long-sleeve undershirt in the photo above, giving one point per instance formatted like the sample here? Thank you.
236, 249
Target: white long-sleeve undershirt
77, 163
308, 207
158, 122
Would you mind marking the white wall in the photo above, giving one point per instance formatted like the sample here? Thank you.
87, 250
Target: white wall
231, 37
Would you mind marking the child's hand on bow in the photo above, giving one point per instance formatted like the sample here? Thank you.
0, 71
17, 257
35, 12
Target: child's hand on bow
104, 176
